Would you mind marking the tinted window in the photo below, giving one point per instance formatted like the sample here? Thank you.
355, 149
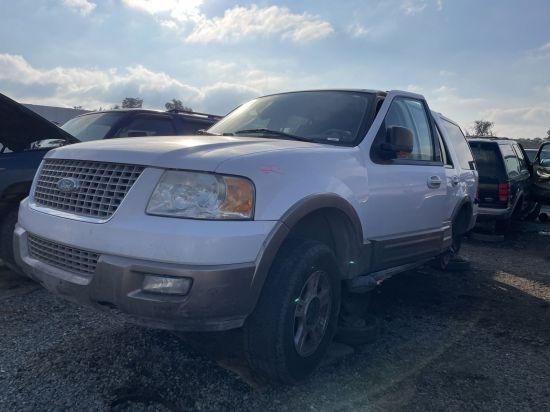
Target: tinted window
410, 114
457, 139
521, 158
510, 160
148, 126
488, 159
324, 116
92, 126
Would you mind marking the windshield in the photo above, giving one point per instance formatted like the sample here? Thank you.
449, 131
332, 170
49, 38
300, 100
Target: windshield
92, 126
335, 117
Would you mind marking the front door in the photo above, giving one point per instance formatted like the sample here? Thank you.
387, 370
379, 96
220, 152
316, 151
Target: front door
406, 205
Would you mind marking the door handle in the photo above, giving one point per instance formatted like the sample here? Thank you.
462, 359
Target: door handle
434, 182
455, 180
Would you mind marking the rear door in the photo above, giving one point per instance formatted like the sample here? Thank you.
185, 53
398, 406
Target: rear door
518, 175
466, 180
407, 201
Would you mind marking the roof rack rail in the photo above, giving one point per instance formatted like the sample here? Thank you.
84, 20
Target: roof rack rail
489, 137
198, 114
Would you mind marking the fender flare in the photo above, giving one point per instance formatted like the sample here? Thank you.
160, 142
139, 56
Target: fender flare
285, 225
466, 200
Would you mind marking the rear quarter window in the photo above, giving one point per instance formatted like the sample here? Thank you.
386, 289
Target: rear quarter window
510, 160
459, 143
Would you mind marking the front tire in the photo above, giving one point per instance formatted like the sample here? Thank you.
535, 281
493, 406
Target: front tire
293, 324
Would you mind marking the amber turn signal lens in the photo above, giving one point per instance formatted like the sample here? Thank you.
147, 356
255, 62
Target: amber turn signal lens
239, 197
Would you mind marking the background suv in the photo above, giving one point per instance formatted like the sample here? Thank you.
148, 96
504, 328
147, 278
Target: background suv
504, 180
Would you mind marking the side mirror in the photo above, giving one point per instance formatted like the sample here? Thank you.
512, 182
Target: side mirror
398, 140
47, 144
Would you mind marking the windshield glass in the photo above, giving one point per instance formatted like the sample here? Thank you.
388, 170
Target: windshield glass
92, 126
322, 116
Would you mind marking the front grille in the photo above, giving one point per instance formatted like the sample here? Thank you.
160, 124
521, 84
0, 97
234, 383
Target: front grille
101, 186
61, 256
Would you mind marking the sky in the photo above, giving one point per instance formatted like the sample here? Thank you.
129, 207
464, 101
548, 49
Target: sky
471, 59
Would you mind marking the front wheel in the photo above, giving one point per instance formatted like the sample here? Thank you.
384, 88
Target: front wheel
289, 332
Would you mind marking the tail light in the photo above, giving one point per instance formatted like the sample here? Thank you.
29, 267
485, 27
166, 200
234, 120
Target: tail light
503, 192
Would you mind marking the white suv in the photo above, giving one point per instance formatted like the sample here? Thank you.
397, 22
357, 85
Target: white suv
264, 221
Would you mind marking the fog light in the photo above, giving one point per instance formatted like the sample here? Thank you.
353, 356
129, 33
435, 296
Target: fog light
166, 285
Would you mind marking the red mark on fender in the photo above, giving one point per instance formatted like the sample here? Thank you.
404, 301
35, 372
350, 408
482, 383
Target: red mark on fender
270, 170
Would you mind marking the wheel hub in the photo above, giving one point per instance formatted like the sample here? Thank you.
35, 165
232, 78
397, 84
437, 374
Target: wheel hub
312, 313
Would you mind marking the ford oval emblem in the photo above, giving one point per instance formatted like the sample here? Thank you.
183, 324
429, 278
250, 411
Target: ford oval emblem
68, 184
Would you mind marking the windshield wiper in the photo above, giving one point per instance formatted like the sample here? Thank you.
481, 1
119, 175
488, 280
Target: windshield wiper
273, 133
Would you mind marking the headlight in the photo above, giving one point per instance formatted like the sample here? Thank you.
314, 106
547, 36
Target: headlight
542, 173
198, 195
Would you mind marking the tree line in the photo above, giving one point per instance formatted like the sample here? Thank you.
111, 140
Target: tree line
485, 128
137, 103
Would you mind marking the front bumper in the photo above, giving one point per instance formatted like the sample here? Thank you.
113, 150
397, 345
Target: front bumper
220, 298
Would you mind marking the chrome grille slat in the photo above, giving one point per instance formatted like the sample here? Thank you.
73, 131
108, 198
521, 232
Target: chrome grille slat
103, 186
64, 257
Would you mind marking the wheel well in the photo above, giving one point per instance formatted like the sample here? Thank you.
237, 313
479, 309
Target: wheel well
463, 217
334, 228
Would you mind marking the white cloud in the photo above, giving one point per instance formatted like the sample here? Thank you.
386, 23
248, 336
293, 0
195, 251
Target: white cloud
446, 73
177, 10
240, 22
358, 31
236, 23
412, 7
83, 7
545, 47
526, 121
169, 24
93, 88
413, 88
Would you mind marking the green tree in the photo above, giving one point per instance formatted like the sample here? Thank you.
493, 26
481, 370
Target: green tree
176, 104
483, 128
132, 103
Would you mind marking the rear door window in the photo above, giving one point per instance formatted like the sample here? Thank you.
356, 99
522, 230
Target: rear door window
510, 160
458, 141
522, 162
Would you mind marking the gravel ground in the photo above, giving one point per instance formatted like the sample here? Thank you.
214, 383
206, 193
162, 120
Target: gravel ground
477, 340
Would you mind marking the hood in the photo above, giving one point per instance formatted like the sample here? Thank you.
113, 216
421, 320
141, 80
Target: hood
20, 126
202, 152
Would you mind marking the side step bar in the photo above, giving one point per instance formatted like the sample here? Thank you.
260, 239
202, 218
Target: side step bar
366, 283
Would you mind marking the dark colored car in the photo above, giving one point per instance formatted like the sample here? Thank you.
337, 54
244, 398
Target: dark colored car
25, 137
504, 180
137, 123
540, 189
